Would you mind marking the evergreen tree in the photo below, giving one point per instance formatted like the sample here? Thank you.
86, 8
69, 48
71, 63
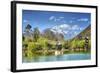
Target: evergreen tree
28, 28
36, 34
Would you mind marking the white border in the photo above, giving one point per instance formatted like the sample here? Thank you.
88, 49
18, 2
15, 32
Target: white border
21, 65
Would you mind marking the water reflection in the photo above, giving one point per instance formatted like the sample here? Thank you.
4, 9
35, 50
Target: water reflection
64, 57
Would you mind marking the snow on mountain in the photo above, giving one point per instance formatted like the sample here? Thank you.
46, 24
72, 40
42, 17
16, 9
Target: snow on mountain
69, 31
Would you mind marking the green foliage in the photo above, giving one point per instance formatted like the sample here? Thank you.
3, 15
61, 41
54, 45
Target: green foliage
74, 44
43, 42
81, 43
77, 44
89, 44
66, 45
38, 43
31, 45
23, 38
51, 46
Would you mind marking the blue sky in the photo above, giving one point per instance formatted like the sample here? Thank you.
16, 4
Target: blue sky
71, 23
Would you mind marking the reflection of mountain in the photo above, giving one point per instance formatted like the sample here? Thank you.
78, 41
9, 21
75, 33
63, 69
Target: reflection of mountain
85, 33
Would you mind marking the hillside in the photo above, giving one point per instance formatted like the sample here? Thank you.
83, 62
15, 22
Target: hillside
85, 33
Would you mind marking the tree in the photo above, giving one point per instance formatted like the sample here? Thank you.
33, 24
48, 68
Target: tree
66, 45
28, 27
81, 44
74, 44
23, 38
27, 32
36, 34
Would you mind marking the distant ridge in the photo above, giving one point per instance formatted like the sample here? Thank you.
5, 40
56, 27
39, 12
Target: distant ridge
85, 33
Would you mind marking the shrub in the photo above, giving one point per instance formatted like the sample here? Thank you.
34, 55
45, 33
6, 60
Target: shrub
80, 43
89, 44
42, 41
74, 44
66, 45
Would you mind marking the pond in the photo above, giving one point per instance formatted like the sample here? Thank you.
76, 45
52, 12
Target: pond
64, 57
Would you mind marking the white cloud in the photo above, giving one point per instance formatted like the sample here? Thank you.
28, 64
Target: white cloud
67, 27
25, 21
53, 30
55, 19
80, 28
61, 17
65, 32
52, 17
56, 30
83, 19
76, 27
64, 26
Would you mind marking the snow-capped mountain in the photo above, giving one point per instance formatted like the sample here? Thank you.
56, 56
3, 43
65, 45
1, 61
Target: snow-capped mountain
68, 31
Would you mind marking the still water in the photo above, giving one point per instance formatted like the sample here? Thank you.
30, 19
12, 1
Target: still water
64, 57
